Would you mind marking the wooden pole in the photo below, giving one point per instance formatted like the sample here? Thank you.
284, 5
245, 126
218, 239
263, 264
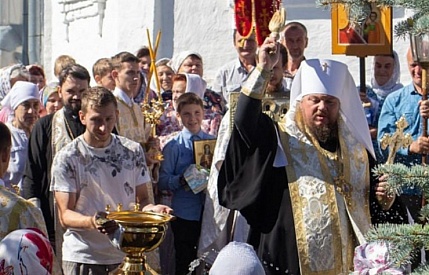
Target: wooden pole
362, 72
425, 66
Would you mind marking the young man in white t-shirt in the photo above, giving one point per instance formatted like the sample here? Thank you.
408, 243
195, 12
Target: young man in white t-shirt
96, 169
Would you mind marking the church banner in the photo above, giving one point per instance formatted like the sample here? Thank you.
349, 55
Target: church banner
254, 14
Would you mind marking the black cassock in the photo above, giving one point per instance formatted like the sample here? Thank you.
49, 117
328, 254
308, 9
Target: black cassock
249, 182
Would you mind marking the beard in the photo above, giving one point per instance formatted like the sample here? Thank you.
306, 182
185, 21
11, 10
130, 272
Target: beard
325, 133
73, 108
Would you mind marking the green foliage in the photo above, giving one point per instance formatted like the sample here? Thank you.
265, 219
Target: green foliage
406, 239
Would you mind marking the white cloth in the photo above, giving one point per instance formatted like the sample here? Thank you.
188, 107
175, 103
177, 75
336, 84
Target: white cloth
19, 93
237, 259
100, 176
18, 156
333, 78
178, 59
392, 84
26, 251
195, 84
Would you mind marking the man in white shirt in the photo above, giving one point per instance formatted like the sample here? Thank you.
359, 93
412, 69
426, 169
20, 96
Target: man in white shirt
94, 170
295, 40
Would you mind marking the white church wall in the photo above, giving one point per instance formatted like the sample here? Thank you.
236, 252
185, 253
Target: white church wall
203, 26
123, 29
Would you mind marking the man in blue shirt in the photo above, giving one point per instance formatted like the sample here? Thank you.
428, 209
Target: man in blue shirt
178, 155
407, 102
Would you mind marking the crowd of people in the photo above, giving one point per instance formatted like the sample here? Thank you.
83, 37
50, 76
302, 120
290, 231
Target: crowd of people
290, 173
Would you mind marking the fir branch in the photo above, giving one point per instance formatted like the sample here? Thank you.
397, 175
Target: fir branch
405, 240
401, 176
423, 270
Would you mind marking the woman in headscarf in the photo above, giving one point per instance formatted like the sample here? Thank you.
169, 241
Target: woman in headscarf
26, 251
214, 104
165, 76
23, 100
51, 99
385, 79
11, 74
8, 77
37, 75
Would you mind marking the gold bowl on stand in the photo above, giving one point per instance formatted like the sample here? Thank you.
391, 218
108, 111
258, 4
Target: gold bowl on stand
138, 232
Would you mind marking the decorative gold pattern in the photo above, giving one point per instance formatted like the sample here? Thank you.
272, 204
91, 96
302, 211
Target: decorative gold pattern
256, 83
16, 213
131, 110
325, 218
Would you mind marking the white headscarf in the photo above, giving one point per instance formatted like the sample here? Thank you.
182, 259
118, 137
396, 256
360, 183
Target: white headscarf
329, 77
392, 84
20, 92
237, 259
26, 251
195, 84
177, 60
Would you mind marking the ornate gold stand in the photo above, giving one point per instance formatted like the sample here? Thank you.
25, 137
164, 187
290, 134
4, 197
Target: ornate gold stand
139, 232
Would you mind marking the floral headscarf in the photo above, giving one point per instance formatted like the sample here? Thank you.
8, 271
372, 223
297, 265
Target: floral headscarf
6, 74
48, 90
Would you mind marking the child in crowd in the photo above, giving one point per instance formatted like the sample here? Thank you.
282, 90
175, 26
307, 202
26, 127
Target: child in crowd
61, 63
178, 156
182, 83
102, 72
50, 99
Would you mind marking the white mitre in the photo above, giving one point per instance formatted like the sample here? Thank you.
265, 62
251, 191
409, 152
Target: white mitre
329, 77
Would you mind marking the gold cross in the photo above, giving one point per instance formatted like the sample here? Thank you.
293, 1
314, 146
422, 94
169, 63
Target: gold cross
397, 140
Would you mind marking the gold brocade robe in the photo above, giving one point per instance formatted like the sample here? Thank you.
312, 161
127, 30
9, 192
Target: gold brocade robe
330, 215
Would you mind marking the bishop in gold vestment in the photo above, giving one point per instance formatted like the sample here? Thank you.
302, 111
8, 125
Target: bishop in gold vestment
303, 185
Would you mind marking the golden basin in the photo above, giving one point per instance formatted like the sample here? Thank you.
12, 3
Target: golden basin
138, 232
